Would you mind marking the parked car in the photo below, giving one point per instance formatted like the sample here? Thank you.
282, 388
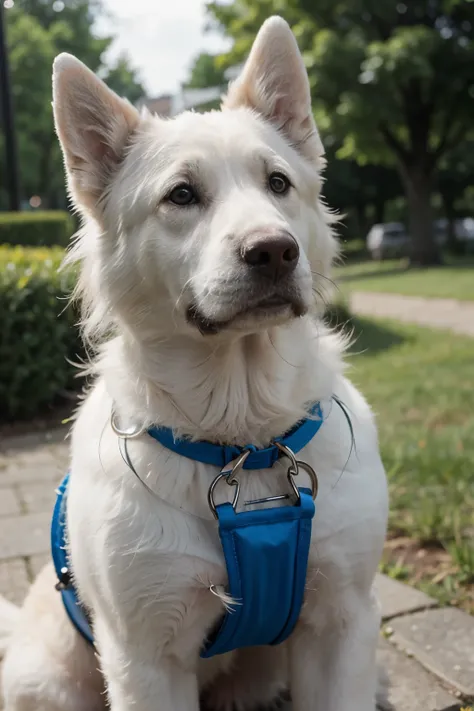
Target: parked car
463, 231
389, 240
440, 229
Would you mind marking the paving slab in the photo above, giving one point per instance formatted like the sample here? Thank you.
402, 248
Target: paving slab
37, 562
24, 535
443, 641
14, 581
411, 687
450, 314
10, 444
25, 471
399, 599
37, 497
9, 503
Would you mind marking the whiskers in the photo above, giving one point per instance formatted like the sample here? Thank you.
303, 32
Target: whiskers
329, 285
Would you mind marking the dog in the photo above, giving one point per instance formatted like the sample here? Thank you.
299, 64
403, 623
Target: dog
205, 256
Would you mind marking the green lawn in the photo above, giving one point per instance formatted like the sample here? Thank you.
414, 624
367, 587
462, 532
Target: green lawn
454, 281
421, 385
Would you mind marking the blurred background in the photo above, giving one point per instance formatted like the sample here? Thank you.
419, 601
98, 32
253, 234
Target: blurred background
393, 92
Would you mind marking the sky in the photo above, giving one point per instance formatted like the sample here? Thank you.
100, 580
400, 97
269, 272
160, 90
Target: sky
161, 38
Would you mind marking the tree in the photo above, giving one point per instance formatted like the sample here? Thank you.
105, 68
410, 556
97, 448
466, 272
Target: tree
31, 52
394, 81
359, 192
454, 177
205, 72
124, 80
38, 30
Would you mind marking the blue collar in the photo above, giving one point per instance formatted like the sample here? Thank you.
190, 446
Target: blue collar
220, 455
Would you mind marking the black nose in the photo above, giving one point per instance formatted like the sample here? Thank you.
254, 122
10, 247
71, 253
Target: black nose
273, 256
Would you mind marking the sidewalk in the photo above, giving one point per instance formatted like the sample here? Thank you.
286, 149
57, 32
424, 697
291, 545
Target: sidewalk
457, 316
427, 651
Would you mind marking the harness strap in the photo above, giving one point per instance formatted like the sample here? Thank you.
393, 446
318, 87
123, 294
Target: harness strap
266, 554
76, 611
265, 550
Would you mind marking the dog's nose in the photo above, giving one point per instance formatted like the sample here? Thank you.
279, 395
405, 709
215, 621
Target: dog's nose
273, 256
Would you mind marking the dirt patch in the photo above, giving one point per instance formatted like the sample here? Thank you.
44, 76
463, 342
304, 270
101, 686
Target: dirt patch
430, 568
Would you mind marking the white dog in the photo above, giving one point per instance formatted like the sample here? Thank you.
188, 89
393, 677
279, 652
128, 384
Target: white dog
205, 257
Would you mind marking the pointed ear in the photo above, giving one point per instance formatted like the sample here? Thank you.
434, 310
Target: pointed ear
94, 126
274, 83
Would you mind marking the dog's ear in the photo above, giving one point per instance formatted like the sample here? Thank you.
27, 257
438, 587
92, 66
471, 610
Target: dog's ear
94, 126
274, 82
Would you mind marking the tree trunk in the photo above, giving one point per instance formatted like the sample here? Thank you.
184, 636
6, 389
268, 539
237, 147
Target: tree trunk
418, 187
44, 189
361, 212
452, 243
379, 211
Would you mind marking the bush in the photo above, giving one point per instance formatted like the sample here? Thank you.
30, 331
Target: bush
38, 333
36, 229
354, 250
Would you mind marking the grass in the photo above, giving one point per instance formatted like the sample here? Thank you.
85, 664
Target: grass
421, 385
455, 280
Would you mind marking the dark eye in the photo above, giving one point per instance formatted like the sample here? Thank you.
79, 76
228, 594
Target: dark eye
279, 183
183, 195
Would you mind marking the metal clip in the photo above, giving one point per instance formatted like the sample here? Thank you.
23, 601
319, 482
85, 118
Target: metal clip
130, 433
228, 473
64, 579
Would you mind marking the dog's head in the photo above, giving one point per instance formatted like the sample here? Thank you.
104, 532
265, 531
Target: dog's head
207, 223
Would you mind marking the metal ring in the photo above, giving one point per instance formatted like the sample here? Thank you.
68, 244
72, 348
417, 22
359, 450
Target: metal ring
289, 475
312, 475
288, 453
294, 469
228, 474
130, 433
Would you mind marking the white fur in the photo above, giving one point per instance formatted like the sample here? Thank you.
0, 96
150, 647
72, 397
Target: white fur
144, 563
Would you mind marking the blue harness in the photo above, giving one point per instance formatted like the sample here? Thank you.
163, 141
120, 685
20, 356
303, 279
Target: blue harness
265, 549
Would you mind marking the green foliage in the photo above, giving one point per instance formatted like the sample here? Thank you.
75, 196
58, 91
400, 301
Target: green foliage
38, 334
36, 31
124, 80
53, 227
205, 72
392, 83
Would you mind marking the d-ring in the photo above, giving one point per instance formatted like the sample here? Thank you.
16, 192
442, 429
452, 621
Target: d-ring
228, 473
130, 433
312, 475
293, 470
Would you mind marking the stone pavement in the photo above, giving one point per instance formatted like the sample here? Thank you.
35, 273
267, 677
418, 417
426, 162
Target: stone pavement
427, 651
457, 316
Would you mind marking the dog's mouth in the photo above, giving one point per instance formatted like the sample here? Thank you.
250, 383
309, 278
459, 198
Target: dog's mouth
263, 309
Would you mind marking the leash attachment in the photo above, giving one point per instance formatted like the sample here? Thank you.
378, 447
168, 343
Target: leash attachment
266, 556
228, 474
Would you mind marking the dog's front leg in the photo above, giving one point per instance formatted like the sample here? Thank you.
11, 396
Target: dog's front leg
138, 681
333, 668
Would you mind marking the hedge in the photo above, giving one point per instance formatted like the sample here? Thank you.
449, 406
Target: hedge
38, 334
37, 228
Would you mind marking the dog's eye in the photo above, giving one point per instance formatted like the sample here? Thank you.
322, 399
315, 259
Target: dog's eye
183, 195
279, 183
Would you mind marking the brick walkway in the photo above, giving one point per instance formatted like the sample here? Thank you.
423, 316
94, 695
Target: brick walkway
428, 652
457, 316
30, 468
